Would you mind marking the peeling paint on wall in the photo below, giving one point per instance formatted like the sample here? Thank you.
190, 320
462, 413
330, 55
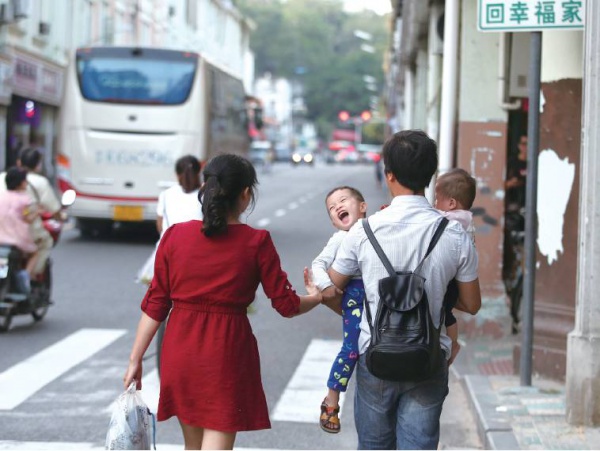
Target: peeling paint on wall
555, 183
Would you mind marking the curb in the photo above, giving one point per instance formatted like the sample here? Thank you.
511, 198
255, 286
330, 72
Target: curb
494, 428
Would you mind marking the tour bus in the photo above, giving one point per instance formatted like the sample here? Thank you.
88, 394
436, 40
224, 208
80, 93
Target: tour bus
128, 114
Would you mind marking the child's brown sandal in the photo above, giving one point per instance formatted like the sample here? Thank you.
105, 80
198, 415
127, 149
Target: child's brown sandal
330, 421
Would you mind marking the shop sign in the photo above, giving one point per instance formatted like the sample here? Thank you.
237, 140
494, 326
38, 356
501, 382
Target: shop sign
530, 15
34, 79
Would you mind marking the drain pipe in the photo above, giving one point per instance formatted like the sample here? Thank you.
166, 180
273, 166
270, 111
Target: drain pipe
449, 86
504, 49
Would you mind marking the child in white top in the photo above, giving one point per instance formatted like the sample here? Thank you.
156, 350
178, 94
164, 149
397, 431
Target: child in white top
345, 206
176, 204
454, 195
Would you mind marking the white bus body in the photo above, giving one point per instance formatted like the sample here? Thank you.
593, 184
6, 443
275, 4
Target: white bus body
129, 114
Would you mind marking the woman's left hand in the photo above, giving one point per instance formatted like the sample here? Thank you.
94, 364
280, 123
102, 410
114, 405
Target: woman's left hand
310, 286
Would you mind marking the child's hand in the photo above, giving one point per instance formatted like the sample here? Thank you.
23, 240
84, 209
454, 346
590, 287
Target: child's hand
309, 284
454, 352
331, 293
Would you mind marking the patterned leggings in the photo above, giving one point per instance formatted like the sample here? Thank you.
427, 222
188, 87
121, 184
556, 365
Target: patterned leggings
352, 306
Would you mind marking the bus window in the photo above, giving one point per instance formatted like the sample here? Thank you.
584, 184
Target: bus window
142, 77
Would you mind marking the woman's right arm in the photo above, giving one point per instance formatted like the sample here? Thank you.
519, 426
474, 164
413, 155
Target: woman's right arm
277, 286
146, 330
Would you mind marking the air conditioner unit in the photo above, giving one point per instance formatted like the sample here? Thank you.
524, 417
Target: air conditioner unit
21, 8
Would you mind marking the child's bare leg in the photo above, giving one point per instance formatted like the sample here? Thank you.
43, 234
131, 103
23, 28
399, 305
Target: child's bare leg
333, 398
31, 263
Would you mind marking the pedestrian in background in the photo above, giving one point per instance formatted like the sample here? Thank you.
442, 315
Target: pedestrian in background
44, 198
406, 415
176, 204
206, 274
18, 212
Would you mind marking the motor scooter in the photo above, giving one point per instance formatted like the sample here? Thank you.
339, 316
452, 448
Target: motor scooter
37, 301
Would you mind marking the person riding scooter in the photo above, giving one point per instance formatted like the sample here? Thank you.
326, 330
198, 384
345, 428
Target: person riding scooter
42, 194
15, 230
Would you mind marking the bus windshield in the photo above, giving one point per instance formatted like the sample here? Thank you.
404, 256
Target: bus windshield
135, 76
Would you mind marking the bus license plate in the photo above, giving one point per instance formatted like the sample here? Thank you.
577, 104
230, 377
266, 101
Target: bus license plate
128, 213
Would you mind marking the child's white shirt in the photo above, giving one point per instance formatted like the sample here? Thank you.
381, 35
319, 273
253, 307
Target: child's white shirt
323, 261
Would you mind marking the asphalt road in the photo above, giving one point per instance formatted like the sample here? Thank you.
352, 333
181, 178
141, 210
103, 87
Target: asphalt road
59, 377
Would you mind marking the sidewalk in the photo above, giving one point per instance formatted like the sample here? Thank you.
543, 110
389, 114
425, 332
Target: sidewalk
508, 415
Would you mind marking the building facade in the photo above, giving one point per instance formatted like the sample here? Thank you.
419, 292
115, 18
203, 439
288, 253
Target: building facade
468, 90
38, 37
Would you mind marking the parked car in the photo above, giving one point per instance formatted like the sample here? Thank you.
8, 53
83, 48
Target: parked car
369, 153
347, 156
282, 152
259, 152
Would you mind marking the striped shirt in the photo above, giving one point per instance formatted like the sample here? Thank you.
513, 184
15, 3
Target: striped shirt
404, 230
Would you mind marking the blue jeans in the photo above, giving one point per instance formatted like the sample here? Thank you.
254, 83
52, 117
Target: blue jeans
398, 415
345, 361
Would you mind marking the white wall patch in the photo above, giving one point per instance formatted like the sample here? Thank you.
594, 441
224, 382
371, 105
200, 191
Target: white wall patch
555, 183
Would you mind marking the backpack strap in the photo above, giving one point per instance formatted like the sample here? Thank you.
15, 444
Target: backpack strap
436, 236
386, 262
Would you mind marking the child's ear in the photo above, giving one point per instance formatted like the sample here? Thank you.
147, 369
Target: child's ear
453, 203
363, 208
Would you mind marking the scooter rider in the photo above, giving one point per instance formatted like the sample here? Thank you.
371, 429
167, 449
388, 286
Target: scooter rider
42, 194
17, 215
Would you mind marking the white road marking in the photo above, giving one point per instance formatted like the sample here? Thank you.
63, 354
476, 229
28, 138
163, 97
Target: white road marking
57, 446
263, 222
279, 213
22, 380
306, 389
293, 205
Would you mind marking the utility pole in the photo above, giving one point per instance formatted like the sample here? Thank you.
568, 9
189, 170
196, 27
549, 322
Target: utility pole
583, 344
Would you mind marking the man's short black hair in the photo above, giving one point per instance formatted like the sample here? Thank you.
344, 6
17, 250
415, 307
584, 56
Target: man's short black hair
14, 177
30, 158
411, 156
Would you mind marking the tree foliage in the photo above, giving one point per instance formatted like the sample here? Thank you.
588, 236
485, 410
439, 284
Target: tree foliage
314, 42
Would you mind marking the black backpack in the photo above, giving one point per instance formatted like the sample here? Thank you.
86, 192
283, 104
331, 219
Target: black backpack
405, 344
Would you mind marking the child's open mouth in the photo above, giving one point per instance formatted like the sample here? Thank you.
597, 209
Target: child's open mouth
343, 215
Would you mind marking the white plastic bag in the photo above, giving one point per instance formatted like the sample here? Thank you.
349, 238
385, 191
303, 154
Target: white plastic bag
132, 424
146, 272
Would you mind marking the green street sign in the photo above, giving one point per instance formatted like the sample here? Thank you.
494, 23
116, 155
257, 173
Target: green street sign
530, 15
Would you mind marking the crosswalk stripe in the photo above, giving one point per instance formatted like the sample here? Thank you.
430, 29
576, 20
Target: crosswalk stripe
306, 389
58, 446
22, 380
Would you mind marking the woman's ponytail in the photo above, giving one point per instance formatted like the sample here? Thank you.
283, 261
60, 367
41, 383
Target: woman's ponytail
226, 176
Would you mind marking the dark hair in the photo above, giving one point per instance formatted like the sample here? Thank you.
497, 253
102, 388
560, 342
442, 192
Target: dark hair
353, 192
411, 156
30, 158
225, 177
187, 169
14, 177
459, 185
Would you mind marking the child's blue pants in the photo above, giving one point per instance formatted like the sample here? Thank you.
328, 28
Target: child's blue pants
352, 307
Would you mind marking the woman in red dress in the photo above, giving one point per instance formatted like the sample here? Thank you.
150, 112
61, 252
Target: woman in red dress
206, 274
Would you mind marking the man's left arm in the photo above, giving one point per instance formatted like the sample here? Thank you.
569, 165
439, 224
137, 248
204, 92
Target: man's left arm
469, 293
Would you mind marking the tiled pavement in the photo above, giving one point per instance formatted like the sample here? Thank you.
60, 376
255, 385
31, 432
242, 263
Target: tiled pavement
509, 415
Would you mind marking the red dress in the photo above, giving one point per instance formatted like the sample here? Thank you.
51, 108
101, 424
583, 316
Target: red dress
210, 368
